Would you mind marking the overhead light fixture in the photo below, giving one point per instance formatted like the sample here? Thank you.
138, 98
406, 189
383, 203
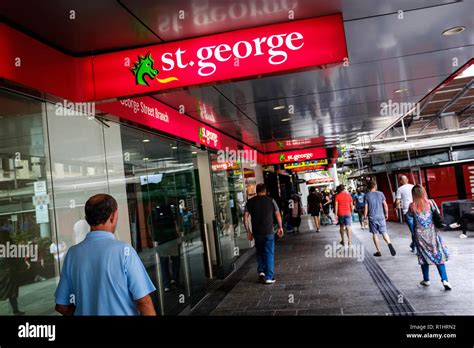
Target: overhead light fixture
400, 90
469, 72
146, 140
460, 161
279, 107
285, 119
194, 153
174, 147
454, 30
145, 158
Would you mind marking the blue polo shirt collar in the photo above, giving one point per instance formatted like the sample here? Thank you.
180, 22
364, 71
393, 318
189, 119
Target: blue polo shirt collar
100, 234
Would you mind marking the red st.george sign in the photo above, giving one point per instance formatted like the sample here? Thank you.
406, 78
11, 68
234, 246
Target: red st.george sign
296, 155
239, 54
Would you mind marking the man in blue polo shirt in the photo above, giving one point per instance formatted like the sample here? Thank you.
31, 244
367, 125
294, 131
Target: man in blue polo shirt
101, 275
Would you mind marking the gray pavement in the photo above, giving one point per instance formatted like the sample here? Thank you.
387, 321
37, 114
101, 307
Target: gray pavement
317, 277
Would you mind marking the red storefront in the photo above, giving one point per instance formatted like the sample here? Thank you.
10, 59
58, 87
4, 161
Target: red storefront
445, 183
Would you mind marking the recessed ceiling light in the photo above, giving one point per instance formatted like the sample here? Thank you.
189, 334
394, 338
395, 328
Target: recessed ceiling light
454, 30
145, 158
400, 90
146, 140
174, 147
279, 107
285, 119
194, 153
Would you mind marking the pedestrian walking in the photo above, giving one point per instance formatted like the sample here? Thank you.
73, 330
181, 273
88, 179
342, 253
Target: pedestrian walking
430, 246
343, 209
262, 209
376, 210
315, 206
359, 202
101, 275
403, 201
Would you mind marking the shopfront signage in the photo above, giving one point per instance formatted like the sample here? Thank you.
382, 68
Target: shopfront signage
468, 170
154, 114
248, 53
304, 164
207, 136
296, 155
217, 166
307, 169
289, 46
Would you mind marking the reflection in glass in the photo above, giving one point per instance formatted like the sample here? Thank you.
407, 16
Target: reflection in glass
29, 273
229, 199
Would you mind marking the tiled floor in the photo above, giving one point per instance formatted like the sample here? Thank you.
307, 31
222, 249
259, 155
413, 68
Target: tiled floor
316, 277
34, 299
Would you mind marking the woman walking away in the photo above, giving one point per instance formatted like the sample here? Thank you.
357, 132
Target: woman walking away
296, 210
430, 246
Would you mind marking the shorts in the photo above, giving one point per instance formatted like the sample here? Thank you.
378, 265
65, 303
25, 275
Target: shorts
345, 220
377, 225
315, 212
360, 211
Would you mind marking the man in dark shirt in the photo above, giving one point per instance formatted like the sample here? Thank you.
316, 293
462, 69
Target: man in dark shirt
262, 209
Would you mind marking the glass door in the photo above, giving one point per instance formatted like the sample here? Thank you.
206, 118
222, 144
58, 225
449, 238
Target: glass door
190, 222
229, 200
165, 219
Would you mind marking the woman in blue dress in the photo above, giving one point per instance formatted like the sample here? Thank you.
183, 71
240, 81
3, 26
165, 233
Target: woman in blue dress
430, 246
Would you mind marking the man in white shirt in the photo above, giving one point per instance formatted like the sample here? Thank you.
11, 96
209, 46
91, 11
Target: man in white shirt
403, 200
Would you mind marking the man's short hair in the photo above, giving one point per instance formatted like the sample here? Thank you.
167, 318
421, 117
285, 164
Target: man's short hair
341, 187
99, 208
261, 188
312, 189
373, 184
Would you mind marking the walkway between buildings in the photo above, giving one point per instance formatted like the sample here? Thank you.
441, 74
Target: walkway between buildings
317, 277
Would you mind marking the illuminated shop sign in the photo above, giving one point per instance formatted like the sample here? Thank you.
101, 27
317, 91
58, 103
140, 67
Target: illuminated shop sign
296, 155
252, 52
291, 46
208, 137
468, 170
217, 166
321, 162
150, 112
307, 169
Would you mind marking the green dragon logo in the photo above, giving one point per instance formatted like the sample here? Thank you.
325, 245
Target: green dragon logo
280, 144
282, 157
201, 134
144, 67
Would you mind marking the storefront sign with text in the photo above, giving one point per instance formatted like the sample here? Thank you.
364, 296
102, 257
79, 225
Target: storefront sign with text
150, 112
251, 52
468, 170
296, 155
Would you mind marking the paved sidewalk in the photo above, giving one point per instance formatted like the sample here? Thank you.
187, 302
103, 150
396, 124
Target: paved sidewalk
405, 272
317, 277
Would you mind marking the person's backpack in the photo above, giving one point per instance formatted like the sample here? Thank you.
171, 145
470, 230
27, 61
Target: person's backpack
438, 220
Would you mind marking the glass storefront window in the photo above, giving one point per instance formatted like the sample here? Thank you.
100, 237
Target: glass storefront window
165, 218
229, 200
28, 257
51, 163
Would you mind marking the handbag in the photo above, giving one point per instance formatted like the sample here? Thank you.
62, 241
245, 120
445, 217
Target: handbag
437, 218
